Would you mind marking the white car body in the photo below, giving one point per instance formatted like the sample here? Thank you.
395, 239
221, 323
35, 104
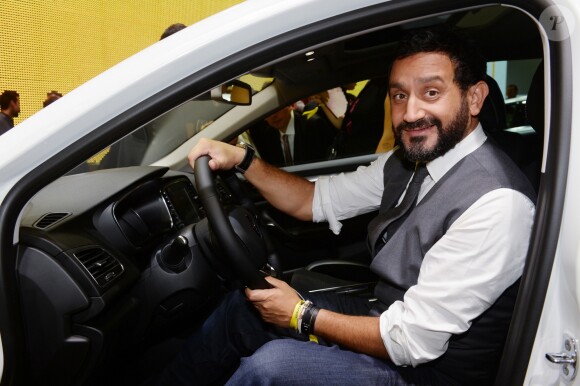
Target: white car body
205, 45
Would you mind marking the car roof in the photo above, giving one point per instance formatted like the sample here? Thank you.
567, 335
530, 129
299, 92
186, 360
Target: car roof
367, 55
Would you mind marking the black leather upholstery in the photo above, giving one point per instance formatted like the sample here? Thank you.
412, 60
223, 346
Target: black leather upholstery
535, 101
493, 115
523, 149
535, 117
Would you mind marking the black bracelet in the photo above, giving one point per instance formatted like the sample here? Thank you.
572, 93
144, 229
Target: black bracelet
313, 318
308, 319
248, 158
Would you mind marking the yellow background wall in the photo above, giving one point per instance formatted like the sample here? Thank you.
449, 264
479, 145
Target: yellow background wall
60, 44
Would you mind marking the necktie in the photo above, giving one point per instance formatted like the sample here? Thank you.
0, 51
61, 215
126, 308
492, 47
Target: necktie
348, 117
287, 153
387, 223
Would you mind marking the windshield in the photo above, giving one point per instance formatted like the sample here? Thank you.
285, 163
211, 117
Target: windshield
162, 135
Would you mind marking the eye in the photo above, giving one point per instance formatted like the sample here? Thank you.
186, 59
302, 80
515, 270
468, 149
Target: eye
432, 93
398, 97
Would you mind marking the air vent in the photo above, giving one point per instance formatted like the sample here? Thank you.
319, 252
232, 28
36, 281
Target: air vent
50, 219
102, 266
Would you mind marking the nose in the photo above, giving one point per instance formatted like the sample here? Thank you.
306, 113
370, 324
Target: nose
413, 109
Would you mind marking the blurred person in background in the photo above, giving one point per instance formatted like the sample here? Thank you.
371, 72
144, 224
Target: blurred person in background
51, 97
173, 28
511, 91
10, 108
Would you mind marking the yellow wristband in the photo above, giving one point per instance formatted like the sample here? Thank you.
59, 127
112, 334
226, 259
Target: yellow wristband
294, 319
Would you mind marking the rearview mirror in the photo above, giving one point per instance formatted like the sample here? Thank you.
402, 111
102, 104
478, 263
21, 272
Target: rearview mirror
234, 92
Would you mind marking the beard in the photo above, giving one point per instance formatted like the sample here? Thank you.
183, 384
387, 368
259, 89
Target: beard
447, 137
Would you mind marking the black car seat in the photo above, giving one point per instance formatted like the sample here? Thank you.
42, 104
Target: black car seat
494, 121
493, 114
535, 117
523, 147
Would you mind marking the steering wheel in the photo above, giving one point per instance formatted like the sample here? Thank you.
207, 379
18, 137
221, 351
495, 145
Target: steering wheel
236, 233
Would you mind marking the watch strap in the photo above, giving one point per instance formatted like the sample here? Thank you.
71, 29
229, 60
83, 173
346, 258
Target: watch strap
247, 160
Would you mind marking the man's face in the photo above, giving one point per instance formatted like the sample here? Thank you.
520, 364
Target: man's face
430, 112
279, 120
511, 91
15, 108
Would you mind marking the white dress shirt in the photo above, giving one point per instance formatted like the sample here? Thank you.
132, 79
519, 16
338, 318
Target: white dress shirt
482, 253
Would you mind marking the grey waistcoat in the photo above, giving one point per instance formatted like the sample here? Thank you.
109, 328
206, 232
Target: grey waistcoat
472, 357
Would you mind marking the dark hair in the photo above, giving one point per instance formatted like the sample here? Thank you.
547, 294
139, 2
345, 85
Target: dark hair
470, 66
173, 28
7, 97
51, 97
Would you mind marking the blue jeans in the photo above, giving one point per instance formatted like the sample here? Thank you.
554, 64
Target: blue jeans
291, 362
235, 340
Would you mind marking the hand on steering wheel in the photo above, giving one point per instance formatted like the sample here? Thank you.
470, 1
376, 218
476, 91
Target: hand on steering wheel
237, 232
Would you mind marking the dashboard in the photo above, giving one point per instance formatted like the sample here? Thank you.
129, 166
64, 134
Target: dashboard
116, 245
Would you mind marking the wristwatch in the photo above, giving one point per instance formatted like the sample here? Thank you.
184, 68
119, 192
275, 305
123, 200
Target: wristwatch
248, 158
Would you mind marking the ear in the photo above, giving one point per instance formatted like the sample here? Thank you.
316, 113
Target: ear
476, 95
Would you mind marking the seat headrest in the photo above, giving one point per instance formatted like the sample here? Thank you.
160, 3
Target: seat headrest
535, 100
493, 115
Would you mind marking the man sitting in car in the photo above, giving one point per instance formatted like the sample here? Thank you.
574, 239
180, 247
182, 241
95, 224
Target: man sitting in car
445, 246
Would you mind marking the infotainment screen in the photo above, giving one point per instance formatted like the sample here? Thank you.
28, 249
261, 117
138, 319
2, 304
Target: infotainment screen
179, 195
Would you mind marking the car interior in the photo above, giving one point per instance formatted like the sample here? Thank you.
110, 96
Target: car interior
123, 257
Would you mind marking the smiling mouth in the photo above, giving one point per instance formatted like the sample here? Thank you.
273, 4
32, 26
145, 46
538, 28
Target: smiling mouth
419, 129
420, 126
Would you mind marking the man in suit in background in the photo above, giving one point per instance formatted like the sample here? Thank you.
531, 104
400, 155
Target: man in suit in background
288, 138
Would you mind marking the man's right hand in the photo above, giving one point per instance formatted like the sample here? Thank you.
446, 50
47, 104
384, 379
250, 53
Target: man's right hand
287, 192
223, 156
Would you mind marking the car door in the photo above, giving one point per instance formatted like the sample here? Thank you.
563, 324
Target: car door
556, 342
543, 334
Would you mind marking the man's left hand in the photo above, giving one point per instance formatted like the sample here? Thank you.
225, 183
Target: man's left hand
275, 304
